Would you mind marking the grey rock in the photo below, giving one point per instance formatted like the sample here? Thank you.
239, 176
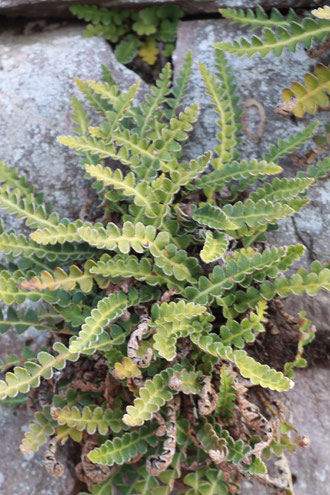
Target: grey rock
25, 474
47, 8
36, 86
263, 80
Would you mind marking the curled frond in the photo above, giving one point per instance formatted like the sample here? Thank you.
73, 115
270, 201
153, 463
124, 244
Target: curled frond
215, 246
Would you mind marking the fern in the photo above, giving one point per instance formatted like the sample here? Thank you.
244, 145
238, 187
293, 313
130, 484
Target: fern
108, 309
312, 94
153, 395
39, 431
154, 306
259, 18
89, 419
123, 449
27, 208
274, 42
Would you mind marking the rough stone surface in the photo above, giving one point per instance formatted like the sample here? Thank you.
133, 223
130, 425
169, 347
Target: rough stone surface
36, 86
263, 80
24, 474
46, 8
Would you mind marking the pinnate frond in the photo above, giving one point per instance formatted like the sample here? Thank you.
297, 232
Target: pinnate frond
287, 146
312, 94
42, 428
275, 41
27, 207
58, 234
153, 395
122, 449
92, 419
259, 18
217, 179
281, 189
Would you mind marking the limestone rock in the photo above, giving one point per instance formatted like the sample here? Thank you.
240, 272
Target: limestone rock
263, 80
47, 8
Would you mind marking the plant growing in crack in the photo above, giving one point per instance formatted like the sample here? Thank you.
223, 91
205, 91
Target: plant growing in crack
154, 308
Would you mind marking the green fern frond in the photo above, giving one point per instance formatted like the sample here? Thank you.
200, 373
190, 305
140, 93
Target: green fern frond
11, 178
22, 379
153, 395
318, 171
281, 189
244, 217
274, 42
21, 321
215, 246
11, 292
18, 245
259, 18
226, 395
92, 419
237, 268
93, 98
302, 281
154, 101
175, 311
236, 334
27, 208
80, 117
122, 449
184, 173
224, 108
312, 94
180, 87
217, 179
94, 146
39, 431
68, 282
108, 309
259, 374
142, 193
186, 382
59, 234
284, 147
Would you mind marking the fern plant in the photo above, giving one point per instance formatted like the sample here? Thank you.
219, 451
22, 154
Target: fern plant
280, 32
133, 32
153, 308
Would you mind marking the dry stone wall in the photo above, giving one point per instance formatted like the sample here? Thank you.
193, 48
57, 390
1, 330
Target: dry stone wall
36, 85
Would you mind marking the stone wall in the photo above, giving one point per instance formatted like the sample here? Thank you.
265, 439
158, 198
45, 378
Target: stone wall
36, 86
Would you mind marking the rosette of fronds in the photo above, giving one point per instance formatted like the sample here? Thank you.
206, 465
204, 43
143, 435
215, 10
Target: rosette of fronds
152, 304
